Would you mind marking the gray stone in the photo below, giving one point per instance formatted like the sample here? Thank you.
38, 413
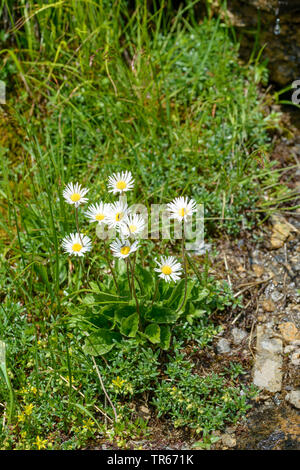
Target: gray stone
276, 296
267, 373
228, 440
238, 335
223, 346
289, 349
295, 359
293, 397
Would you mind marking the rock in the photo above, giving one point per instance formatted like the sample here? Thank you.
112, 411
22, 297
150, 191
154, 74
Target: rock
145, 411
223, 346
295, 359
276, 243
238, 335
276, 296
289, 332
268, 305
258, 270
228, 440
289, 349
293, 397
230, 430
280, 232
241, 269
267, 372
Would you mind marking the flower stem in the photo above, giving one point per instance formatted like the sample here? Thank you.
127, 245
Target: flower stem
155, 292
104, 389
77, 224
134, 291
185, 273
128, 277
111, 267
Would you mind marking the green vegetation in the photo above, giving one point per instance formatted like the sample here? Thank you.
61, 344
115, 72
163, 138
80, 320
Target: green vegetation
96, 87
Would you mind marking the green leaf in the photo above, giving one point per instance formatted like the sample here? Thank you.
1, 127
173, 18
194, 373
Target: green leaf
120, 267
190, 286
202, 295
177, 293
192, 313
94, 287
130, 325
161, 314
88, 300
41, 271
100, 342
87, 412
165, 337
153, 333
6, 378
103, 298
124, 312
146, 278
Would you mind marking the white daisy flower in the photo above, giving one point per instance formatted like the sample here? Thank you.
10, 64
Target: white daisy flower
120, 182
123, 248
181, 208
133, 225
169, 268
116, 213
76, 244
74, 194
97, 212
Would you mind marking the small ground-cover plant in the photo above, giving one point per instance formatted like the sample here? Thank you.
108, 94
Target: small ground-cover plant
201, 403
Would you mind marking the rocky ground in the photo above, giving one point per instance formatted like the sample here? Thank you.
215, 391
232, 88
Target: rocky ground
265, 333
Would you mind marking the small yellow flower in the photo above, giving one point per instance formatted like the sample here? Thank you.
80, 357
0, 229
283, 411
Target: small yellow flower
28, 409
88, 424
118, 382
226, 397
40, 443
21, 418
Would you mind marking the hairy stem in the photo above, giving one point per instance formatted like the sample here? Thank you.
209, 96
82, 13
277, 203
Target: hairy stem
111, 267
134, 291
104, 389
185, 273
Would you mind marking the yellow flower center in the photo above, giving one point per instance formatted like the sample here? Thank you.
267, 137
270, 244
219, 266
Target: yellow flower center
75, 197
76, 247
166, 270
100, 216
121, 185
132, 228
182, 212
119, 216
125, 250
